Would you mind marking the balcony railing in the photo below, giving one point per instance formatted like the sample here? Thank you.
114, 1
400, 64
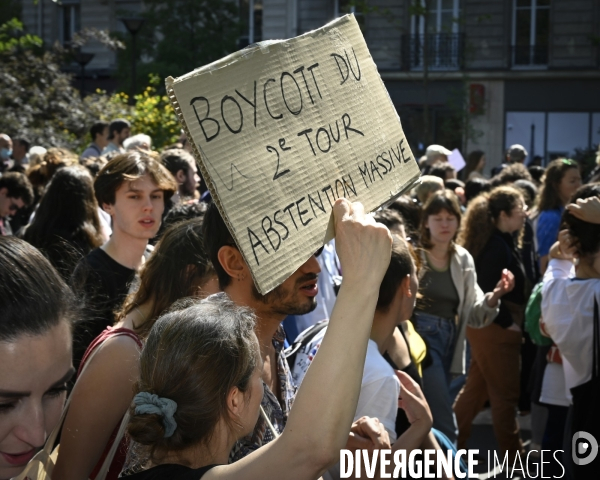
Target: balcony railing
529, 55
444, 51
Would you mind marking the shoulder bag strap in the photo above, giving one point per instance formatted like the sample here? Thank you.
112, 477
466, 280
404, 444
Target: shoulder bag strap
113, 449
121, 432
44, 455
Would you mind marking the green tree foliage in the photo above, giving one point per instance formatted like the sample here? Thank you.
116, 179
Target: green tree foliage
180, 35
37, 99
152, 113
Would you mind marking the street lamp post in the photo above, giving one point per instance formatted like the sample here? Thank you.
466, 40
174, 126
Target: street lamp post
133, 25
82, 59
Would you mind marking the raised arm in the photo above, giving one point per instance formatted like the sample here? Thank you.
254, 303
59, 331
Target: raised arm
324, 408
586, 209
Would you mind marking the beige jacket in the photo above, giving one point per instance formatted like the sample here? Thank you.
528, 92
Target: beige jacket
473, 309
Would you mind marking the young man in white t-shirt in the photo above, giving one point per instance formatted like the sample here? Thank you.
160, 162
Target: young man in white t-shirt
380, 385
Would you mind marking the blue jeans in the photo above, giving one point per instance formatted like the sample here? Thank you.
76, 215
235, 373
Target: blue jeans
440, 336
459, 382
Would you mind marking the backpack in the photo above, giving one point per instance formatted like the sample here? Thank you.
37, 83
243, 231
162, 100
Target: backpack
302, 341
533, 313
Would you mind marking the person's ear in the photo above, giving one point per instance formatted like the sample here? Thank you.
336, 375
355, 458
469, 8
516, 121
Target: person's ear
235, 402
108, 208
181, 176
232, 262
405, 287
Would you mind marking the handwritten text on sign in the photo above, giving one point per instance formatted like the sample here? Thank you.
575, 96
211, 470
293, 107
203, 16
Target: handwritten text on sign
285, 128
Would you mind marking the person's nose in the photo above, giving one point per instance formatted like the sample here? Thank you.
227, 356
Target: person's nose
148, 205
311, 265
31, 427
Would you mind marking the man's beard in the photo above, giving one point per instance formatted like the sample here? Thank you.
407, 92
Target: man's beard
284, 302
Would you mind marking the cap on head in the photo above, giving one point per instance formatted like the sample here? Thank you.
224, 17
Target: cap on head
433, 152
516, 153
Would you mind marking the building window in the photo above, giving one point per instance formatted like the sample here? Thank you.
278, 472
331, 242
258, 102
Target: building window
442, 17
531, 30
434, 37
70, 21
251, 18
344, 7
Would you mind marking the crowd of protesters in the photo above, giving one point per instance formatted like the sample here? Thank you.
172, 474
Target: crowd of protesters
121, 284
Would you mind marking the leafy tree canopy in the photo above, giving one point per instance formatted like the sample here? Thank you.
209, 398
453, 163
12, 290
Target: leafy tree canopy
37, 99
180, 35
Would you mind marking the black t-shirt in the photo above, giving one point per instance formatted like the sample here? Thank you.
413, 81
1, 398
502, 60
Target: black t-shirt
499, 253
170, 472
103, 284
529, 255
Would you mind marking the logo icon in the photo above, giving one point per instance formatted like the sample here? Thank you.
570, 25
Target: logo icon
584, 448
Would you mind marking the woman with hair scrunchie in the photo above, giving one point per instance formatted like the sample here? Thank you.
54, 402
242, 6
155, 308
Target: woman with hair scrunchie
151, 404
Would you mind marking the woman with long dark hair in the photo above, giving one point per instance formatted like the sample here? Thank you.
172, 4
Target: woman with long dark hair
491, 223
66, 225
561, 180
475, 164
178, 267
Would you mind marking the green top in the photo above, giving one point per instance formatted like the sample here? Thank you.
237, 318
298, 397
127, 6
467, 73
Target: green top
439, 294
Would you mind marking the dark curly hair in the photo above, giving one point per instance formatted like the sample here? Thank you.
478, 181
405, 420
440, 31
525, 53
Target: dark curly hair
587, 234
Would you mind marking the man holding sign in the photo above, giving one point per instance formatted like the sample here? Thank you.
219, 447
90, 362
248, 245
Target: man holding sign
281, 130
296, 296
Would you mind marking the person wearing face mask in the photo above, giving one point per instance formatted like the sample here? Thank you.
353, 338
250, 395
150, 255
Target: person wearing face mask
5, 151
451, 299
15, 193
37, 310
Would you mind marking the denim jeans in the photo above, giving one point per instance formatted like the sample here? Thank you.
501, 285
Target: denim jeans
459, 382
440, 336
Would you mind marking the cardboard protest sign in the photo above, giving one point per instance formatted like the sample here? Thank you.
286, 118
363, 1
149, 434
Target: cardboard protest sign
281, 130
